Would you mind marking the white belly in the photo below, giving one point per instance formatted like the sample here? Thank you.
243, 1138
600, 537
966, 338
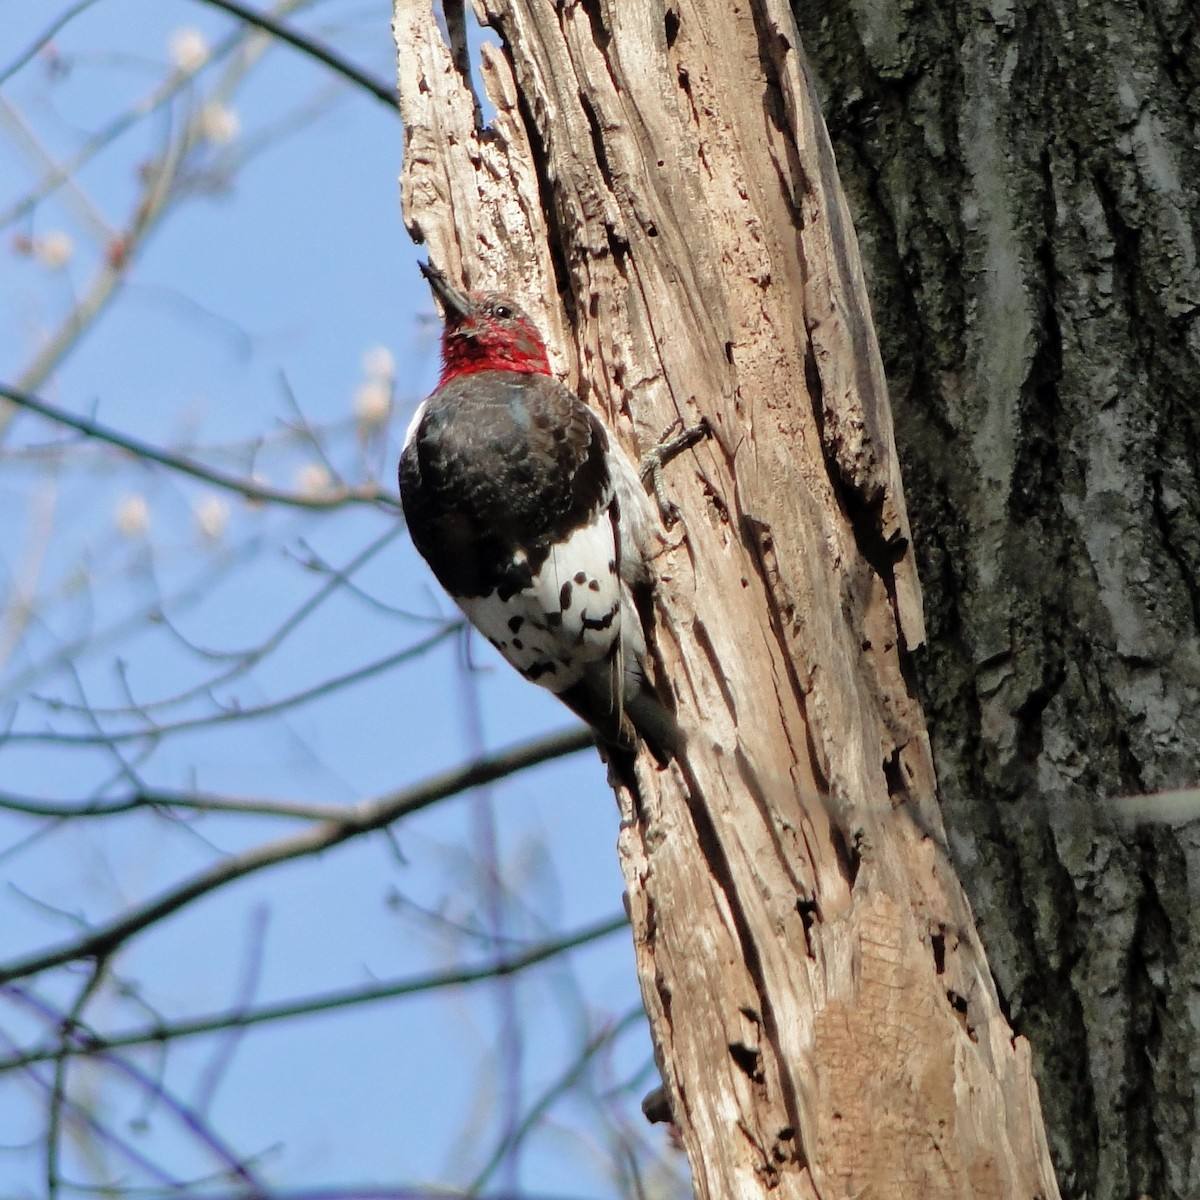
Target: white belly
567, 619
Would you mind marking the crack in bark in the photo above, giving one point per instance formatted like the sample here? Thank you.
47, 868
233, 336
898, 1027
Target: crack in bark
721, 874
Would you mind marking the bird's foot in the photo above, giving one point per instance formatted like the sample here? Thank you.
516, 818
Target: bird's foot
674, 441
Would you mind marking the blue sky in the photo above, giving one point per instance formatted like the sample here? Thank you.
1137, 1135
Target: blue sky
250, 309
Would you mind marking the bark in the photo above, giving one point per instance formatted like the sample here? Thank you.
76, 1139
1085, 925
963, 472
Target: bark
1026, 181
659, 186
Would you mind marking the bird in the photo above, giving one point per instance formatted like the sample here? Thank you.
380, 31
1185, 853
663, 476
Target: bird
536, 522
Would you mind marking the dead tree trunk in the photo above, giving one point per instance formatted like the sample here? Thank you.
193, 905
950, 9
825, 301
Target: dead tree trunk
658, 183
1026, 181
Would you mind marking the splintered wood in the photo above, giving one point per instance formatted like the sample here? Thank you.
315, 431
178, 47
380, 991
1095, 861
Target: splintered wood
657, 185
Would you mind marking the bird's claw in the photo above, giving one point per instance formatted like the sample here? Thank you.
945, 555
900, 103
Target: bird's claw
674, 441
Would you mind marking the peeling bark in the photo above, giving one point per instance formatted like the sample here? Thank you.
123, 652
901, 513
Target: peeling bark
1026, 182
658, 186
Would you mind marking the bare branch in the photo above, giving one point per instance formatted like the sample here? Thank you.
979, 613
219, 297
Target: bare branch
359, 819
249, 488
88, 1042
114, 129
314, 49
94, 640
569, 1078
168, 798
394, 1192
43, 39
161, 189
244, 660
80, 1115
153, 733
158, 191
68, 1025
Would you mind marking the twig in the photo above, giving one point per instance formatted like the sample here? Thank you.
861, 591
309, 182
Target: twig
195, 591
89, 215
558, 1088
89, 1042
353, 1192
23, 586
241, 661
68, 1022
157, 193
510, 1044
154, 733
314, 49
160, 189
87, 1121
362, 818
169, 798
251, 490
222, 1057
115, 128
42, 39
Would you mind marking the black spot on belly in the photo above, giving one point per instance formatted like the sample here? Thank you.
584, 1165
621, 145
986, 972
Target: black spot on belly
594, 585
564, 596
601, 622
515, 623
580, 577
612, 566
517, 644
553, 620
539, 669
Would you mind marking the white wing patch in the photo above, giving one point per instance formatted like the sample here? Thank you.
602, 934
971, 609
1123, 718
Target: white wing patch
415, 422
567, 619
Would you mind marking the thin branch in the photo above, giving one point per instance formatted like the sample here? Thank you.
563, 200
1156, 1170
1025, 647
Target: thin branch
43, 39
99, 141
168, 798
158, 191
242, 661
136, 621
365, 817
250, 489
89, 215
69, 1025
89, 1043
226, 1046
312, 561
352, 1192
510, 1042
23, 583
271, 708
552, 1094
314, 49
86, 1120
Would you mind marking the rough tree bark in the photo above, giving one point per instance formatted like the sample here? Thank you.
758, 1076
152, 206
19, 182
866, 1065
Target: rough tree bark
1026, 181
658, 185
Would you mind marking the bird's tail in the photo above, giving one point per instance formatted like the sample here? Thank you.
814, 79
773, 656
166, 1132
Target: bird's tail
655, 725
623, 715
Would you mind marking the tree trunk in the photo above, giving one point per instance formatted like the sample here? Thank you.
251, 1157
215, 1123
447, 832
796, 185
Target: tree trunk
1026, 182
660, 187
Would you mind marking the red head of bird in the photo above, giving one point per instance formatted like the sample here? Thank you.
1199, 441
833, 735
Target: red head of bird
485, 331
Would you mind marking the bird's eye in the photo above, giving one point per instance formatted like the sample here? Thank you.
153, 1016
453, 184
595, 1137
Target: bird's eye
502, 312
